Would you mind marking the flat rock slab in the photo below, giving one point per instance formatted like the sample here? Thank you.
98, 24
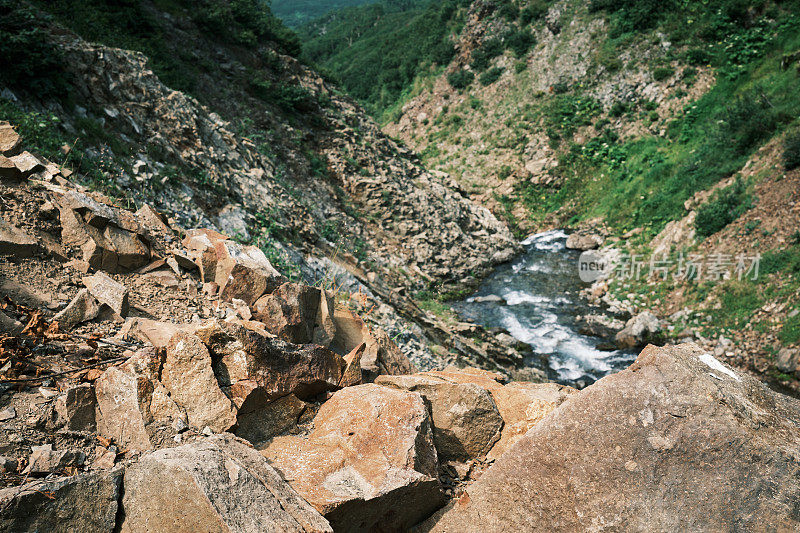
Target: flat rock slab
108, 292
64, 505
14, 241
215, 485
677, 442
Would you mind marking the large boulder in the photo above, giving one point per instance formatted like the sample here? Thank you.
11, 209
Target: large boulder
639, 331
247, 361
369, 464
87, 502
583, 241
241, 272
466, 422
111, 239
108, 292
677, 442
189, 377
218, 485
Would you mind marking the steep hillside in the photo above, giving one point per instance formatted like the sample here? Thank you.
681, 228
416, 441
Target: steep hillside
377, 51
295, 13
622, 118
264, 150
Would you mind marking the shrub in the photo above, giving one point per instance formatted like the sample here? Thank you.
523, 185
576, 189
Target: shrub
750, 119
663, 73
725, 206
28, 60
790, 333
487, 51
698, 56
791, 151
509, 11
618, 109
460, 79
491, 76
520, 42
534, 11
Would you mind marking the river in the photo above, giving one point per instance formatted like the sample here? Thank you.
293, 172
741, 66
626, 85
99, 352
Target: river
536, 299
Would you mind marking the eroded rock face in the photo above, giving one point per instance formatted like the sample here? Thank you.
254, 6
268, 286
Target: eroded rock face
466, 422
676, 440
369, 464
189, 377
246, 360
218, 484
86, 502
133, 406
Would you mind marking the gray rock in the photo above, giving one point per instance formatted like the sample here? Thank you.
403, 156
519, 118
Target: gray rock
677, 442
76, 409
14, 241
64, 505
640, 330
45, 460
788, 360
82, 308
108, 292
218, 484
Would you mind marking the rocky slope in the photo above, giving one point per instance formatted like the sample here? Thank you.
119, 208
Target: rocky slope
315, 184
630, 139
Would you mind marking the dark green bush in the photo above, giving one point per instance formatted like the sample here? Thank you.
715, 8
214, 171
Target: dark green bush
633, 15
460, 79
618, 109
287, 97
791, 151
491, 76
663, 73
533, 11
520, 42
28, 60
509, 11
487, 51
725, 206
745, 122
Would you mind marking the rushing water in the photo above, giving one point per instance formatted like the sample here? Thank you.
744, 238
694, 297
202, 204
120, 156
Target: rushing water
540, 303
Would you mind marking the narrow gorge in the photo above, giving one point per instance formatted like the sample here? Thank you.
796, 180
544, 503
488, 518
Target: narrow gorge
399, 265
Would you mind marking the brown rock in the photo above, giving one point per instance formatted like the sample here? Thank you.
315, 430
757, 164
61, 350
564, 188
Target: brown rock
9, 140
14, 241
27, 163
82, 308
246, 360
108, 292
292, 313
260, 419
215, 485
151, 332
381, 356
523, 405
466, 422
369, 464
188, 376
578, 241
133, 406
352, 371
76, 409
8, 170
677, 442
153, 220
244, 272
10, 326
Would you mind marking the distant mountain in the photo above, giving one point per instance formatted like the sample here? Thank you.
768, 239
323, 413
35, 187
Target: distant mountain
295, 13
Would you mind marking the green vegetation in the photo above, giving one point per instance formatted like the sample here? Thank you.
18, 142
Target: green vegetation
460, 79
491, 75
377, 51
295, 13
725, 206
27, 60
644, 181
791, 151
137, 26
